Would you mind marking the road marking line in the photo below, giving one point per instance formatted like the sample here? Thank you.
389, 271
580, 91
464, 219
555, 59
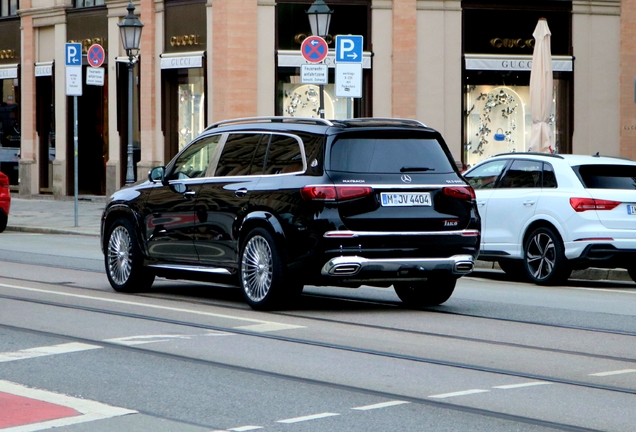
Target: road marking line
245, 428
459, 393
46, 351
307, 418
616, 372
146, 339
90, 410
380, 405
606, 290
528, 384
276, 325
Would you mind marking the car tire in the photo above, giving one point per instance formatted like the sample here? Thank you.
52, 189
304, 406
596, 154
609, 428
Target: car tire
263, 274
632, 273
432, 292
124, 261
544, 258
514, 269
3, 220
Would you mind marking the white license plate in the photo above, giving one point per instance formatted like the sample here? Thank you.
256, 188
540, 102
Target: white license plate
631, 209
407, 199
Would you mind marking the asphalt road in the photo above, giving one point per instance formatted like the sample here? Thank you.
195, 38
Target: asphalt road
498, 356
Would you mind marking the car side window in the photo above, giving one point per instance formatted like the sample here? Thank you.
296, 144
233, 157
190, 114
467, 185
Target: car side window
238, 155
284, 155
549, 179
196, 160
485, 176
523, 174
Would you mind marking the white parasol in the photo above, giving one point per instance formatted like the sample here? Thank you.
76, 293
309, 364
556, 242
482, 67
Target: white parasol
541, 87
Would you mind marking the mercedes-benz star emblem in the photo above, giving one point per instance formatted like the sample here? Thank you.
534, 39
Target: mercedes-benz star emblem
406, 178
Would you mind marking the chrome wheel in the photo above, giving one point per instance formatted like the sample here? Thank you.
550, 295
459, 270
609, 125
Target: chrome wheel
541, 256
257, 268
120, 255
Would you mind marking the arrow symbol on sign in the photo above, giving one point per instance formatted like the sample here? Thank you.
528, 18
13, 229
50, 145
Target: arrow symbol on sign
353, 56
314, 42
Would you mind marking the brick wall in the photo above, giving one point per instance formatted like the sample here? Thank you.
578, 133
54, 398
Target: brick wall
234, 53
404, 67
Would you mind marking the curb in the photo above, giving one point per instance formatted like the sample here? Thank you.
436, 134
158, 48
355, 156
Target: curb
617, 275
39, 230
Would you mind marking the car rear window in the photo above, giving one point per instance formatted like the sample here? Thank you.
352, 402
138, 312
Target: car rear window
607, 176
389, 154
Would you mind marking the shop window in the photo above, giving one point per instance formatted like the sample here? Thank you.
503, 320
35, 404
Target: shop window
9, 129
88, 3
9, 8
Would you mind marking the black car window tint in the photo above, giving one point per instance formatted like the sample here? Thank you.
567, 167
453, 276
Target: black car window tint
314, 153
283, 155
523, 174
549, 179
237, 154
258, 161
608, 176
195, 161
389, 153
485, 176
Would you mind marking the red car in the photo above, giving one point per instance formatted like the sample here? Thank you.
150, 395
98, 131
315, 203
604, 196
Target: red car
5, 200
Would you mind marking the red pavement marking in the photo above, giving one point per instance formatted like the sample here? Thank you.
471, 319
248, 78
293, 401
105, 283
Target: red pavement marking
19, 411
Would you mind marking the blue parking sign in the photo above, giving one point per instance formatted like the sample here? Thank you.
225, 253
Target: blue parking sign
73, 54
348, 49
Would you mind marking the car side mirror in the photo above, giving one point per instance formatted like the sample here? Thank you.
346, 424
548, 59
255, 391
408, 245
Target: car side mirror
157, 174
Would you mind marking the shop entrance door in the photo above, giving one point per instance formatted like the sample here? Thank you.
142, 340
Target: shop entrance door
92, 116
45, 124
184, 108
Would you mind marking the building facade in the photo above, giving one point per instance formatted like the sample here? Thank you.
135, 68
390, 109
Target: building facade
460, 66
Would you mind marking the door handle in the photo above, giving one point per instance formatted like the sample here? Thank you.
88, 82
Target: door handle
528, 203
189, 194
481, 203
240, 192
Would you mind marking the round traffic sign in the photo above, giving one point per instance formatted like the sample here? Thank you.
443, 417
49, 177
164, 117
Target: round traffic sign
314, 49
95, 55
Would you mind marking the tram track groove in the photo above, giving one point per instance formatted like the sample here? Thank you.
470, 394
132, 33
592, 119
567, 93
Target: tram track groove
339, 347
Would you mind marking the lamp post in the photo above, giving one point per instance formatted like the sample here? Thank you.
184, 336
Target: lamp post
319, 16
130, 30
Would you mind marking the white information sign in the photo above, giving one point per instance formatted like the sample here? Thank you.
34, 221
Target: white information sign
95, 76
349, 80
314, 74
73, 80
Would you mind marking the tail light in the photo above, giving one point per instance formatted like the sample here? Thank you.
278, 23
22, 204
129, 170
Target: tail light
584, 204
333, 193
460, 192
4, 180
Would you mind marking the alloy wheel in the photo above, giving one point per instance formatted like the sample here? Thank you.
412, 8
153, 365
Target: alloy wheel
257, 268
541, 256
120, 255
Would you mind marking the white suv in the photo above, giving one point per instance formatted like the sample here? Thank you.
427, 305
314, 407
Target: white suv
545, 215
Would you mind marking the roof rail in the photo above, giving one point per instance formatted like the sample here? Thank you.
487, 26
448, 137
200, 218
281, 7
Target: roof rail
387, 120
272, 119
554, 155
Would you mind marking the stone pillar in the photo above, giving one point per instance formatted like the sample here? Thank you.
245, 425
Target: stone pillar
116, 11
29, 181
628, 79
60, 179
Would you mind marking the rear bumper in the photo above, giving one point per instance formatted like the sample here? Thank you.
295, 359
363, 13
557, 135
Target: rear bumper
605, 255
396, 268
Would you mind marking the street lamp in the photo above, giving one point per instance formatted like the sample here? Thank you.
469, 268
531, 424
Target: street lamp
130, 30
319, 16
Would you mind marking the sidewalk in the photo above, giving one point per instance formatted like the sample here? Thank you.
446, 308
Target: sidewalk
46, 215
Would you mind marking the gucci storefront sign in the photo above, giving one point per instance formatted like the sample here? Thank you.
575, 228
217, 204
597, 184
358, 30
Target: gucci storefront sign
513, 63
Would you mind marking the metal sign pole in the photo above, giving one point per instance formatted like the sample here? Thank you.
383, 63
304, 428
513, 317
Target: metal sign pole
75, 146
